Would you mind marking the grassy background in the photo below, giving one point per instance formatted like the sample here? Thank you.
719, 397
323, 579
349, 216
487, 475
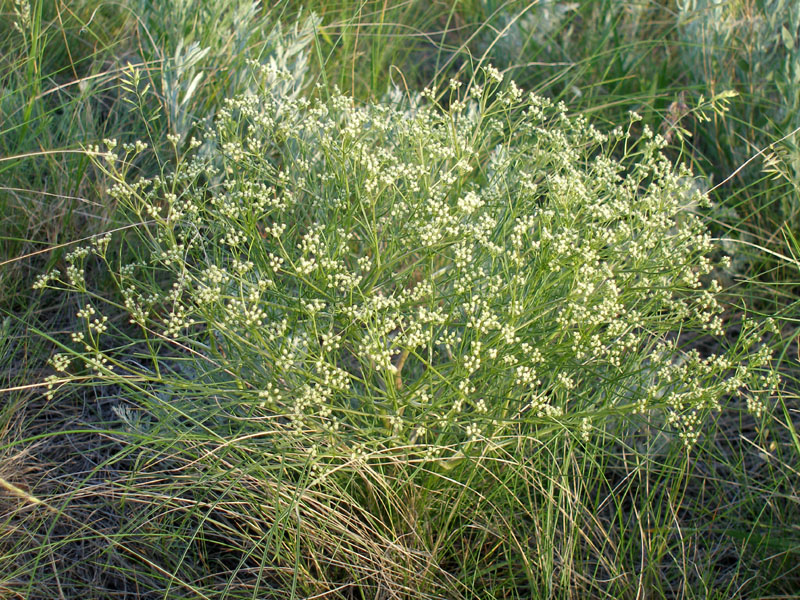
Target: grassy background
120, 520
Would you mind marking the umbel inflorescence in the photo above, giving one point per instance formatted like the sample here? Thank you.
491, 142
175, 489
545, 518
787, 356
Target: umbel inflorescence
429, 276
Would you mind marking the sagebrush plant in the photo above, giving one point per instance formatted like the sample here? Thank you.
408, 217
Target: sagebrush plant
388, 297
752, 48
197, 41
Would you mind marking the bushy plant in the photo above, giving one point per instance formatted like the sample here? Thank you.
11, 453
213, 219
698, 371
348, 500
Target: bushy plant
386, 311
753, 49
204, 50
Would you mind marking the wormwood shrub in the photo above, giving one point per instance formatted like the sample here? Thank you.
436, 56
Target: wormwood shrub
754, 49
204, 48
386, 309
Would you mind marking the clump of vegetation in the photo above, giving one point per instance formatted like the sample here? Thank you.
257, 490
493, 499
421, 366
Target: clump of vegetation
406, 291
458, 331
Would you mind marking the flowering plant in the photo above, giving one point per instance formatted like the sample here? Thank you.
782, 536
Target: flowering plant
425, 281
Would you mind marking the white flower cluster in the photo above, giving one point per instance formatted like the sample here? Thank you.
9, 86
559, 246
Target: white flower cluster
73, 277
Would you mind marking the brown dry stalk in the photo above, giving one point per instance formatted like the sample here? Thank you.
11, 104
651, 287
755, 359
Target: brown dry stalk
398, 380
19, 492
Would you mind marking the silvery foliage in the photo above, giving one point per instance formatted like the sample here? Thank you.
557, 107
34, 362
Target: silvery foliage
755, 52
228, 38
512, 28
